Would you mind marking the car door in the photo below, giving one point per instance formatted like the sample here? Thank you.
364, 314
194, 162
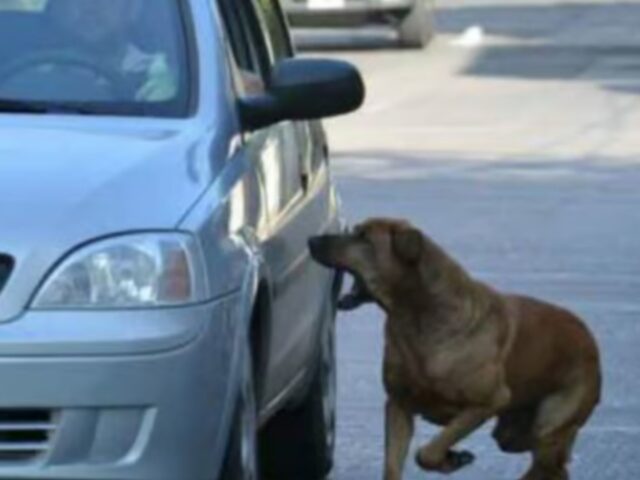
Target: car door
283, 153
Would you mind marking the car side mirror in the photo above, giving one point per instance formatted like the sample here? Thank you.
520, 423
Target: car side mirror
304, 89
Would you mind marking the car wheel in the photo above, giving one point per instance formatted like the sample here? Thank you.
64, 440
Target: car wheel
241, 462
417, 27
309, 430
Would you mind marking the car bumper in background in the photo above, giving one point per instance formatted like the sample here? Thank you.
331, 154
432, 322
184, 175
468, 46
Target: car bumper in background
316, 13
151, 402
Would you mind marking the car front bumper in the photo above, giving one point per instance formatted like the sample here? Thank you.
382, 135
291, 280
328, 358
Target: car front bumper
139, 395
316, 13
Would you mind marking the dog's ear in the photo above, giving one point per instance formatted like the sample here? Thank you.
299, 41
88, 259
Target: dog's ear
408, 243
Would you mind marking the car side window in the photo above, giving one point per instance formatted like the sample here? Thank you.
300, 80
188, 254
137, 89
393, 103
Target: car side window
246, 45
273, 22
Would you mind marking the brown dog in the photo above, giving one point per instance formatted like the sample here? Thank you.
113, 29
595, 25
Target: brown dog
458, 353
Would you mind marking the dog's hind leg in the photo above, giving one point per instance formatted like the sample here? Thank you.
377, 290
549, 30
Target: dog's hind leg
559, 418
551, 454
398, 432
514, 431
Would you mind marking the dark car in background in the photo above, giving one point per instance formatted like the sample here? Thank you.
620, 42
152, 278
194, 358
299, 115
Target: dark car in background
413, 19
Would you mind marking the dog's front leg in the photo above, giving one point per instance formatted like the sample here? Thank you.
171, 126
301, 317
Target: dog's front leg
438, 454
398, 433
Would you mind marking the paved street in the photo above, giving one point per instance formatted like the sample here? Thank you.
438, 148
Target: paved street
515, 142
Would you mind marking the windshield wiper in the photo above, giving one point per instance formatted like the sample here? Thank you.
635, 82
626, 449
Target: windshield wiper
25, 106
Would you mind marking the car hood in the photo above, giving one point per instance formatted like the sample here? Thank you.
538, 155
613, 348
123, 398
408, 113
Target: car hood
62, 187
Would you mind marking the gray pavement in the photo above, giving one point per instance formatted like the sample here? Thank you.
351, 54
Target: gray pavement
517, 147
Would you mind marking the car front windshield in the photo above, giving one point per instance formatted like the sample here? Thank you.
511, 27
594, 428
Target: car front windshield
111, 57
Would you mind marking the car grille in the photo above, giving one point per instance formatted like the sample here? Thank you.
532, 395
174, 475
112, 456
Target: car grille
25, 434
6, 266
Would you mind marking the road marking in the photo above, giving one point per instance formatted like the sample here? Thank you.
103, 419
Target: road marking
472, 37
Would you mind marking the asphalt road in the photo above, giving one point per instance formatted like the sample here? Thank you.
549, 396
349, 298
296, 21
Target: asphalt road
517, 147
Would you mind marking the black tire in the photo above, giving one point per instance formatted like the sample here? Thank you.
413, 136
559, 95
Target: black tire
417, 27
299, 444
241, 461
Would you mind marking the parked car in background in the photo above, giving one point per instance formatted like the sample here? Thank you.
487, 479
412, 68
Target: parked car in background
413, 19
161, 171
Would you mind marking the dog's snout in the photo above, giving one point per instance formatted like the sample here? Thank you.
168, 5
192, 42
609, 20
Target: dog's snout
317, 246
322, 248
314, 243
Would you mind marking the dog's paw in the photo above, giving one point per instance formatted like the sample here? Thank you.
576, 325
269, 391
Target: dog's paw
459, 459
452, 462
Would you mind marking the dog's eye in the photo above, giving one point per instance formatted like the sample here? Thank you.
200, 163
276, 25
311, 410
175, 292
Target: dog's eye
358, 233
361, 235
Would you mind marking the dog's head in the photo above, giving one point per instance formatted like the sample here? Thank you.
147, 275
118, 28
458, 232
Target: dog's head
380, 253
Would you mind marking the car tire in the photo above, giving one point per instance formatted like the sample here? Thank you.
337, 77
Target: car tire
299, 443
417, 27
241, 461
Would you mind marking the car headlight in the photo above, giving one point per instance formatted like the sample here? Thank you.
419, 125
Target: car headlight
132, 271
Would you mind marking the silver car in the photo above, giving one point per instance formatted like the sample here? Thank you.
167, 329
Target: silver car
413, 19
161, 170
